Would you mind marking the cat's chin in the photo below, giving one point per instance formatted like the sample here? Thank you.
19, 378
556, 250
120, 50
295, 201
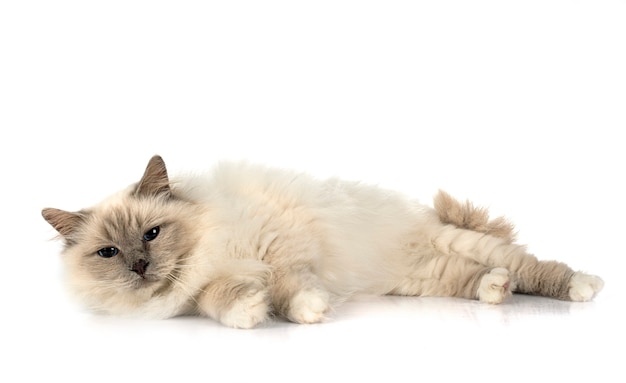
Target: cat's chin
148, 282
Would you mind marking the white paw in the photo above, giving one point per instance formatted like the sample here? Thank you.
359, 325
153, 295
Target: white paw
583, 287
247, 312
495, 286
309, 306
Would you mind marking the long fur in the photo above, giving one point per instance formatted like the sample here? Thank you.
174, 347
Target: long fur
245, 241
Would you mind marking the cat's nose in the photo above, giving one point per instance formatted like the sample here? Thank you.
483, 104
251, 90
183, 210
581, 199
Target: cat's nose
140, 267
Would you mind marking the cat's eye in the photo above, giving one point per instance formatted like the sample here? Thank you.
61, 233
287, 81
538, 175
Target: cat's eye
108, 252
151, 234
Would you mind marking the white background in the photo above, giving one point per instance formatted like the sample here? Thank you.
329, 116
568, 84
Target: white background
519, 106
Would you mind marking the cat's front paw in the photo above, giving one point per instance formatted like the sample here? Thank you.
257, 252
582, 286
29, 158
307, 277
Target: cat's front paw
248, 311
495, 286
583, 287
309, 306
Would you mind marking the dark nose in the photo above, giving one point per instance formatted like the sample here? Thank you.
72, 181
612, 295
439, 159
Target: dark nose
140, 267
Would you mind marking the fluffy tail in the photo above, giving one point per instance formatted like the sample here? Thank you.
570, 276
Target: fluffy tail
470, 217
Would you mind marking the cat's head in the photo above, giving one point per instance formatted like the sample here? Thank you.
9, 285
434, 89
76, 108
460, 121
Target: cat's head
130, 247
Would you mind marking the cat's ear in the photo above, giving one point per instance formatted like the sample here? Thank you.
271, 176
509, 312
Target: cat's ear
155, 180
63, 221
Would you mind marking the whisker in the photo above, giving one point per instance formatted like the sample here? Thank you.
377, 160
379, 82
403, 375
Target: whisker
177, 282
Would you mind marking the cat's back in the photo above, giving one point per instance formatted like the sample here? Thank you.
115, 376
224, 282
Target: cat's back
248, 181
234, 183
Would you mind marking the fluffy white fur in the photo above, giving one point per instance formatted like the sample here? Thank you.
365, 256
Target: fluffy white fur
243, 241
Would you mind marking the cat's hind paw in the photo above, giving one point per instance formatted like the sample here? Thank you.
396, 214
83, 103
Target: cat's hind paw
495, 286
247, 312
583, 287
309, 306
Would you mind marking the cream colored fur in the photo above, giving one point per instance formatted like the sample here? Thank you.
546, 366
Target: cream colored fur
245, 241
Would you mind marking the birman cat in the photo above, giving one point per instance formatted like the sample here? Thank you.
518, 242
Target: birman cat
245, 242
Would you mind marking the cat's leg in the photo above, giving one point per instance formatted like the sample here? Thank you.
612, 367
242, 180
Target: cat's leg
238, 295
452, 276
529, 275
298, 294
554, 279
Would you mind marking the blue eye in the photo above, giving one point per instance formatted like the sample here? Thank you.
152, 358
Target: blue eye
108, 252
151, 234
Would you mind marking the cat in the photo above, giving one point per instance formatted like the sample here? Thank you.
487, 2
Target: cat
246, 242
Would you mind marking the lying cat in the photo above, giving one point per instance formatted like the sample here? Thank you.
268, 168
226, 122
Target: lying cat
245, 242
